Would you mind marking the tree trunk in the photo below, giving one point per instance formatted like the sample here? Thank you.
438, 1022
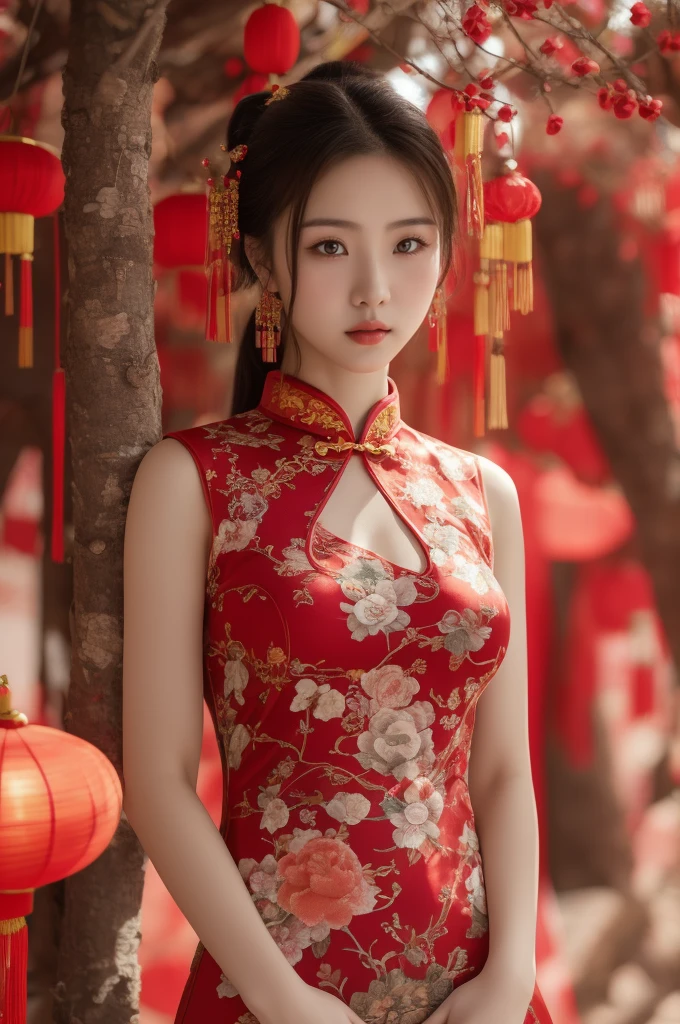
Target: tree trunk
113, 417
614, 355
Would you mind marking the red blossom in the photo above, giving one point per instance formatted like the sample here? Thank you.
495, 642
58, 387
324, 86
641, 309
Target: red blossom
475, 24
640, 15
525, 9
554, 124
624, 105
506, 113
650, 109
604, 98
551, 45
486, 82
667, 41
585, 66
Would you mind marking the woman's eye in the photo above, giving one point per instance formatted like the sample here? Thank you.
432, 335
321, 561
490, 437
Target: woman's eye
410, 252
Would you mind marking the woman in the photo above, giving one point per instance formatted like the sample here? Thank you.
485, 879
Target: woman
333, 578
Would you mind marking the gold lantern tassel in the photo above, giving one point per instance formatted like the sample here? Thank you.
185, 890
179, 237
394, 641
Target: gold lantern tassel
517, 252
491, 248
498, 413
468, 149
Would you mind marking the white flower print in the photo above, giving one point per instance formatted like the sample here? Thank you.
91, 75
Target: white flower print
444, 541
378, 598
238, 741
348, 807
469, 838
423, 491
389, 686
477, 900
235, 679
464, 632
275, 811
422, 809
233, 535
468, 508
456, 465
295, 559
398, 741
325, 703
476, 573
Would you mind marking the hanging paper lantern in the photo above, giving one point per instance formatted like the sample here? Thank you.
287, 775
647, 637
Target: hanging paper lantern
251, 83
512, 200
180, 231
31, 185
271, 40
504, 281
60, 804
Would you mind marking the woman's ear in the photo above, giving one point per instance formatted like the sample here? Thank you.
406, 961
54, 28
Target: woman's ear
254, 255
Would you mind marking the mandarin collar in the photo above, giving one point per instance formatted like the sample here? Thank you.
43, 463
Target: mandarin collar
293, 401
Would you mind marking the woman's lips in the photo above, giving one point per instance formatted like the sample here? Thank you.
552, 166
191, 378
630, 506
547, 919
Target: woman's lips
366, 337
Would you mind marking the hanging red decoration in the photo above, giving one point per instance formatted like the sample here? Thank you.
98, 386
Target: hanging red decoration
271, 40
31, 185
180, 231
251, 83
504, 281
60, 804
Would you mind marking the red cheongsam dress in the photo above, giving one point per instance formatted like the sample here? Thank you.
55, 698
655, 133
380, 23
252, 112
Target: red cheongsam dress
343, 690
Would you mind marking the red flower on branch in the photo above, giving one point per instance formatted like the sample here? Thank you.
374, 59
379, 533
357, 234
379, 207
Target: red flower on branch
525, 9
551, 45
650, 109
585, 66
475, 24
640, 15
506, 113
604, 98
625, 104
667, 41
554, 124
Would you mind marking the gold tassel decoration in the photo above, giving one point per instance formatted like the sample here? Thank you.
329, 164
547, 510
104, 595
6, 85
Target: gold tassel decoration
221, 230
468, 146
517, 252
498, 412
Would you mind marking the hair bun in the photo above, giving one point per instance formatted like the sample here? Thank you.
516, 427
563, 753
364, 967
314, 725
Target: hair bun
339, 70
244, 117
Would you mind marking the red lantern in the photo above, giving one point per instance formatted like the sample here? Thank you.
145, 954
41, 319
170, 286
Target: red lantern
60, 804
271, 40
31, 185
251, 83
180, 231
510, 201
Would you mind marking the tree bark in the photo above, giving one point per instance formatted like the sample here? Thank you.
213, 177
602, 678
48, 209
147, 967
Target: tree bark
113, 417
613, 353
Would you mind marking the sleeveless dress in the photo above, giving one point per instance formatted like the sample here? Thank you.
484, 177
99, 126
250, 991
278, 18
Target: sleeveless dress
343, 688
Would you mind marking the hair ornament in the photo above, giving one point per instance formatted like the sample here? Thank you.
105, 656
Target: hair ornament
279, 92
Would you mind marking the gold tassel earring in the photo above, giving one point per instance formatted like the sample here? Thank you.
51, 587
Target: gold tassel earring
436, 318
268, 325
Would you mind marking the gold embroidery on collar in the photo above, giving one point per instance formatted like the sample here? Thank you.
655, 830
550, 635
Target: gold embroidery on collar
384, 423
285, 396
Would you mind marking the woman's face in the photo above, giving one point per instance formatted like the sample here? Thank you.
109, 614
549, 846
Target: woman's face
371, 269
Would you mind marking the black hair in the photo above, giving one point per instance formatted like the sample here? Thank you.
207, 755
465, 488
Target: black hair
338, 110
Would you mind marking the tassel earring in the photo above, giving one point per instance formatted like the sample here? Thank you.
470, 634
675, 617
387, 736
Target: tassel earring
437, 341
268, 325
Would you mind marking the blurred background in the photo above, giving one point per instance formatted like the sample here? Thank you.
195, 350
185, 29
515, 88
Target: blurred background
593, 442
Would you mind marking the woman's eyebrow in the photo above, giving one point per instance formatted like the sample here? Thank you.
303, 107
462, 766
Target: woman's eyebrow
334, 222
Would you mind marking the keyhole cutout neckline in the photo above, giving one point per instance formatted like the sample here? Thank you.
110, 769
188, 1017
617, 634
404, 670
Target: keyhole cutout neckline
295, 402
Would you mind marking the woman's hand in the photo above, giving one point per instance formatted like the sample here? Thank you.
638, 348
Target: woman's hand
486, 999
307, 1004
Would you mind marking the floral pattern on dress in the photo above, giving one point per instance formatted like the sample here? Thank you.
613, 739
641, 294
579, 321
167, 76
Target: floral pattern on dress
343, 690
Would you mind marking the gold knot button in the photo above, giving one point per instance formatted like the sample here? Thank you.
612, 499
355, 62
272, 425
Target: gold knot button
323, 447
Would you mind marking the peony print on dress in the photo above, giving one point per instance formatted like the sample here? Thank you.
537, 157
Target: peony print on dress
343, 690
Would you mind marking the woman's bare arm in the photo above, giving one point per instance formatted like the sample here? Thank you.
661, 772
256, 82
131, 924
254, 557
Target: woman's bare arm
167, 541
500, 780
